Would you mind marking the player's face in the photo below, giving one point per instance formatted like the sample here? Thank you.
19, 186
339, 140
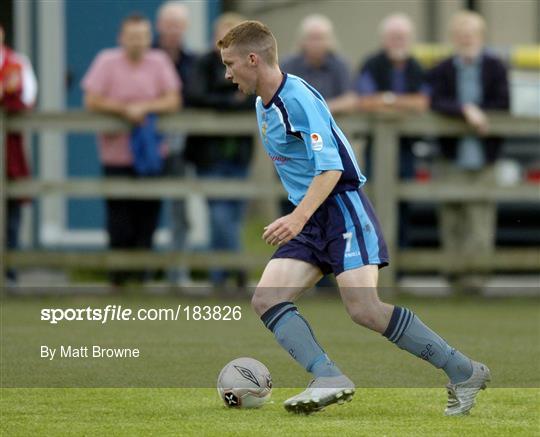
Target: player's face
135, 39
239, 69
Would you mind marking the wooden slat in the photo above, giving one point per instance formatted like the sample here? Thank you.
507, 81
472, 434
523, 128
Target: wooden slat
438, 191
516, 259
214, 122
130, 260
436, 125
146, 188
385, 191
384, 186
414, 260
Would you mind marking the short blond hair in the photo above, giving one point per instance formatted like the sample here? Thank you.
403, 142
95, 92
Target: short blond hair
461, 18
252, 36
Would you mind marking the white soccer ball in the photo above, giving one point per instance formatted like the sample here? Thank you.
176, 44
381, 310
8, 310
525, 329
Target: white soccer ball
244, 383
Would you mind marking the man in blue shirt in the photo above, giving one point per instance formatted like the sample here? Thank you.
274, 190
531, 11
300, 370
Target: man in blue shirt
333, 229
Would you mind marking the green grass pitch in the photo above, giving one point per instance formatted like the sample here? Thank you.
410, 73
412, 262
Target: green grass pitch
198, 412
502, 333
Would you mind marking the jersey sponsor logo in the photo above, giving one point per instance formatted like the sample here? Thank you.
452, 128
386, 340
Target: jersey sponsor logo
278, 160
316, 142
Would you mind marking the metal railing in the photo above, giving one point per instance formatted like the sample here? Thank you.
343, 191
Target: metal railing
385, 189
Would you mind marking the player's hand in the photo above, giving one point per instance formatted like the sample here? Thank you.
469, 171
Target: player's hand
283, 230
135, 113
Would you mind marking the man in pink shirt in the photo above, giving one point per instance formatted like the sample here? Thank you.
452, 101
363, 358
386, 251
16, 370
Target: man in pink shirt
131, 81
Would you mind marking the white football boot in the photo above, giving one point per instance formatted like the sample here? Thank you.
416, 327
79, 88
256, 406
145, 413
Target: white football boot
321, 392
461, 396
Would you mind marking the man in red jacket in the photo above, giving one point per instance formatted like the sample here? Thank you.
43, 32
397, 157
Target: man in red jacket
18, 89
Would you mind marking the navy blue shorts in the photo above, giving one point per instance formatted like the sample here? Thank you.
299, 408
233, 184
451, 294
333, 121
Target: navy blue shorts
343, 234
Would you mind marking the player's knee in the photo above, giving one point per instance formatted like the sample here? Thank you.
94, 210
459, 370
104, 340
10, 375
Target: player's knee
260, 303
365, 316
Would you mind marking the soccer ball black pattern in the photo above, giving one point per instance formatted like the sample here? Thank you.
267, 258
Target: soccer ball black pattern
244, 383
231, 400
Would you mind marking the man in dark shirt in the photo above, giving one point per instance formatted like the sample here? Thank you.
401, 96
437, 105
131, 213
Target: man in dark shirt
172, 22
465, 85
220, 156
171, 25
391, 80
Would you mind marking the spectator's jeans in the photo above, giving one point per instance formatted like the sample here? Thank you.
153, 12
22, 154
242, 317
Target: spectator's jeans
176, 167
226, 215
12, 231
467, 229
130, 223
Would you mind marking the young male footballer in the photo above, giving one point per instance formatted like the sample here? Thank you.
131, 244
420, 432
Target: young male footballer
333, 229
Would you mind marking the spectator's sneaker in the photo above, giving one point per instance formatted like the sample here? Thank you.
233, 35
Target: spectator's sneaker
321, 392
461, 396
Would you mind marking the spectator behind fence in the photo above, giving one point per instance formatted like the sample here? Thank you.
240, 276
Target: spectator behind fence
172, 24
18, 91
391, 80
220, 156
317, 62
135, 83
465, 85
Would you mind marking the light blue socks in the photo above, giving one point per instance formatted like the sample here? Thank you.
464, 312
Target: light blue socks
405, 329
408, 332
294, 335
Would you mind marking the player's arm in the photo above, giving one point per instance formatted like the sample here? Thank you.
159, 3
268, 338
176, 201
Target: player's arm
98, 103
346, 103
134, 112
390, 102
287, 227
167, 102
417, 102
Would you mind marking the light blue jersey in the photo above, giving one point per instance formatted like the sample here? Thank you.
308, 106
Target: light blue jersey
303, 140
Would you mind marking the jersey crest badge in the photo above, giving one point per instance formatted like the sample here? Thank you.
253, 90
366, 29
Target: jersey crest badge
316, 142
263, 129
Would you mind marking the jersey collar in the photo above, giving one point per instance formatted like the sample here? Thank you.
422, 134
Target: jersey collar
276, 94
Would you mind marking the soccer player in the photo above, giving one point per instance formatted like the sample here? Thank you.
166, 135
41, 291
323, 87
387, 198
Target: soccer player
333, 229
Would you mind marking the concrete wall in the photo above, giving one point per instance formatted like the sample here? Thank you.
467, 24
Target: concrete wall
510, 22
